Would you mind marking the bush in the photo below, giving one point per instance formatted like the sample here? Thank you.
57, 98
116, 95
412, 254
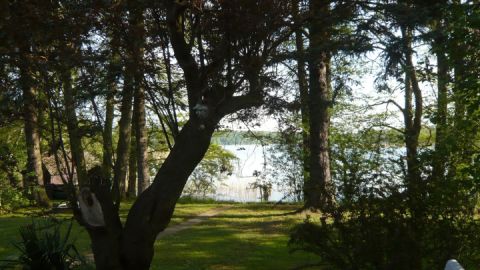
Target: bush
43, 246
380, 234
11, 199
380, 222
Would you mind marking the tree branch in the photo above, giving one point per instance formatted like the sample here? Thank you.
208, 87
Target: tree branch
183, 52
237, 103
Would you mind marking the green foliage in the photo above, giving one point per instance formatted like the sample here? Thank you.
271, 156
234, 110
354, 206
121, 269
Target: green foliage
214, 167
11, 198
44, 246
372, 226
227, 137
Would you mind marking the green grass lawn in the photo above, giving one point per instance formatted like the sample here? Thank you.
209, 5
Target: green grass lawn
251, 236
246, 236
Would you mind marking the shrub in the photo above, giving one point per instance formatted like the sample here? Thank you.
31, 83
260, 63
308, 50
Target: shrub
11, 199
43, 246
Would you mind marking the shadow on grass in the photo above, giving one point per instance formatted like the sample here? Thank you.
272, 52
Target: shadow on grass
222, 243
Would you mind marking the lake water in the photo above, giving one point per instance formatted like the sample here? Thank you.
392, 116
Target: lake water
237, 187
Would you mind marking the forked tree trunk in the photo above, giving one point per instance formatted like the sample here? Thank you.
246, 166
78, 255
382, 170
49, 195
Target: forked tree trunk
153, 209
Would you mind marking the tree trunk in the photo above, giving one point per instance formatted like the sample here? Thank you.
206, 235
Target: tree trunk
141, 140
412, 118
33, 181
132, 167
319, 191
137, 23
108, 128
132, 81
123, 146
153, 209
303, 89
441, 153
113, 73
72, 127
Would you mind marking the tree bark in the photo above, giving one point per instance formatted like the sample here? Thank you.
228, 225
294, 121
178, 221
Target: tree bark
123, 146
132, 167
72, 126
441, 153
33, 181
153, 209
141, 141
303, 89
130, 84
319, 191
137, 23
109, 114
412, 117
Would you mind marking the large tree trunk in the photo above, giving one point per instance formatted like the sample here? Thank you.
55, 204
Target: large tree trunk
153, 209
303, 89
319, 191
33, 182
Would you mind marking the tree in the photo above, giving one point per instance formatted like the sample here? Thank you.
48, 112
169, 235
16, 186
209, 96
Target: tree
394, 207
138, 38
25, 60
318, 192
221, 76
303, 93
328, 20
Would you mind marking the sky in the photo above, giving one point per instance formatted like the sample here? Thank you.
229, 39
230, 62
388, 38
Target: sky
364, 95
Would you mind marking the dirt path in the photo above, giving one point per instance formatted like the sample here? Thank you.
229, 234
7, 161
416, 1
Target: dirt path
192, 222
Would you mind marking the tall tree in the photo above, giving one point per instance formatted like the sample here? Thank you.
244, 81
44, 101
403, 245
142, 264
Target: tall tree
303, 91
138, 37
132, 168
24, 43
113, 27
125, 127
34, 181
318, 189
222, 77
